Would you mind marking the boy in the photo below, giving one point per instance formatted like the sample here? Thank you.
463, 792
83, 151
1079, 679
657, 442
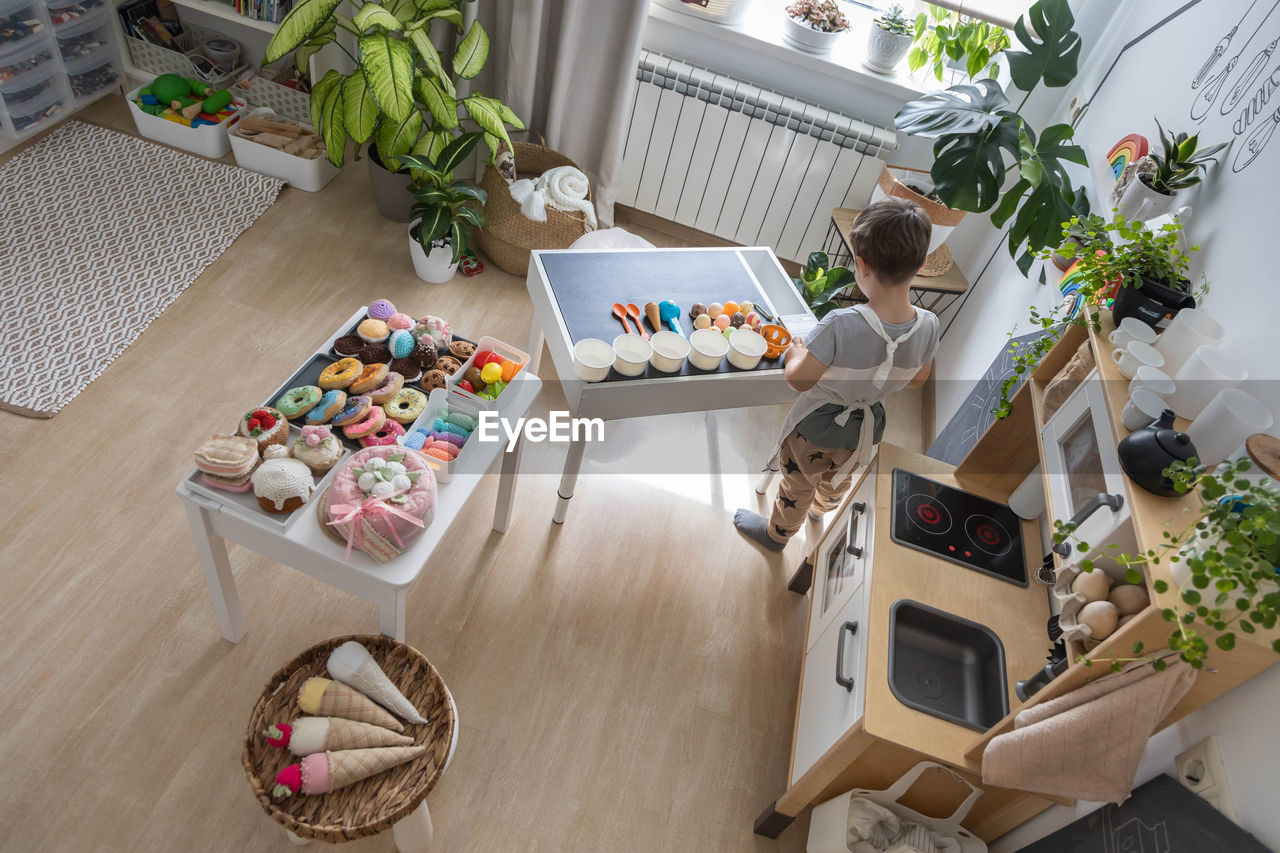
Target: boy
855, 358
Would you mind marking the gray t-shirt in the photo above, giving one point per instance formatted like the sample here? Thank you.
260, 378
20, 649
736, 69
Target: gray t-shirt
845, 340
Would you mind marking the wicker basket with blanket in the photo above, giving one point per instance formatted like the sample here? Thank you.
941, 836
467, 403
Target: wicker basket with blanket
510, 236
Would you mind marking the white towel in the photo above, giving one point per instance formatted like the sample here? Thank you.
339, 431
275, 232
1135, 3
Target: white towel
566, 190
532, 200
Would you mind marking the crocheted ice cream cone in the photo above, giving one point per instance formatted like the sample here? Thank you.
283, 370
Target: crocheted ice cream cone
352, 664
308, 735
325, 698
323, 772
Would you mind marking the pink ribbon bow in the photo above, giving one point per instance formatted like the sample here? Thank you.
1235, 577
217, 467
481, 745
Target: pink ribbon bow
376, 507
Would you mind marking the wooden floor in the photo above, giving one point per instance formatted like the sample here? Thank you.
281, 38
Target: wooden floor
625, 682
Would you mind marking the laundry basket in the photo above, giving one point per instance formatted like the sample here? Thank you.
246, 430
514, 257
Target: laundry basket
509, 236
829, 822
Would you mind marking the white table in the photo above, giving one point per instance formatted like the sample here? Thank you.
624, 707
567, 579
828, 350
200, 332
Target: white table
633, 398
310, 550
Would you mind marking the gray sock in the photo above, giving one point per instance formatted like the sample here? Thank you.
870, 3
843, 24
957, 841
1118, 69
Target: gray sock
755, 527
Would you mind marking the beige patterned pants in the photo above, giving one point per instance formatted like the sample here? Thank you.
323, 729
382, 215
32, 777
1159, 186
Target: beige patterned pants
807, 474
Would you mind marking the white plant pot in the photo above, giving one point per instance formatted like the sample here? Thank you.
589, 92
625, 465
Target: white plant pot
885, 49
806, 38
1140, 203
436, 268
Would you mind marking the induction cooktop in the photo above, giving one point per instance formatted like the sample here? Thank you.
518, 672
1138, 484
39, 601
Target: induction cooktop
958, 526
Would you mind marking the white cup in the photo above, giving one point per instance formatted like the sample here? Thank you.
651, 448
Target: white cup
1230, 418
1189, 329
1153, 379
1134, 355
631, 354
1131, 329
1142, 408
1209, 370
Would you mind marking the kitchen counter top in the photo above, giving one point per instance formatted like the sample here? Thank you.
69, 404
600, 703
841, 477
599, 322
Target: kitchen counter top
1016, 614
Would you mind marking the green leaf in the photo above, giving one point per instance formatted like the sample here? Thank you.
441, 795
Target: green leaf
303, 21
472, 52
331, 79
508, 114
1226, 642
360, 110
1052, 54
396, 138
333, 129
371, 15
484, 113
302, 56
453, 16
463, 190
471, 216
435, 224
443, 108
968, 169
387, 64
1039, 220
452, 155
963, 109
430, 145
431, 58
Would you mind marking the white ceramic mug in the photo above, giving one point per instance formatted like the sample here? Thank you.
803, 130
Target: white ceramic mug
1189, 329
1229, 418
1154, 380
1134, 355
1202, 376
1141, 410
1131, 329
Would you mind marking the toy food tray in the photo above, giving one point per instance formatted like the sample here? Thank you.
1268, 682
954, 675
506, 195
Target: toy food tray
351, 330
486, 344
463, 462
310, 375
245, 504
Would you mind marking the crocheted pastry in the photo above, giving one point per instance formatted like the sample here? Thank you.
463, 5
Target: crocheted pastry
282, 484
317, 448
265, 426
381, 500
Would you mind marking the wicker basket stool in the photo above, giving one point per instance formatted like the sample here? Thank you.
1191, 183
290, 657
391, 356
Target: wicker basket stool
393, 800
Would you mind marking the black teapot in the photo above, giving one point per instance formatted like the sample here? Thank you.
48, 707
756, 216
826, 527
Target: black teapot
1145, 453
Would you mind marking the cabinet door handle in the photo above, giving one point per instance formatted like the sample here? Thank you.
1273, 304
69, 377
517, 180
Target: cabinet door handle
847, 629
1097, 502
854, 550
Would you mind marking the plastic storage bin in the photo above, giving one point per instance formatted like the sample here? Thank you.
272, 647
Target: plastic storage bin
72, 16
22, 22
78, 42
486, 343
305, 174
436, 402
93, 75
207, 141
156, 59
38, 112
26, 59
34, 84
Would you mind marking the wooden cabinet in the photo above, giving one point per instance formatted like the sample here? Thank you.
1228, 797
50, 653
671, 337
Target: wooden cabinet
843, 557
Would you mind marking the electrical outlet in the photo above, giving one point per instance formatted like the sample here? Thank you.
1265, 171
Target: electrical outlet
1200, 770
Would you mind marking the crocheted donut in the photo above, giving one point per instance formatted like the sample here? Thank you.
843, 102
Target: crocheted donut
407, 405
340, 374
298, 401
371, 424
387, 435
356, 408
370, 377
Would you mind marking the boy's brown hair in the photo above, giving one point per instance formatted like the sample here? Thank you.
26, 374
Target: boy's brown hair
892, 236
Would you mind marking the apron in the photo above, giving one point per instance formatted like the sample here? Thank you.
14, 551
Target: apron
818, 396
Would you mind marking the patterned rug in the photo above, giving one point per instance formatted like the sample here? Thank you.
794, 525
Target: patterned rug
103, 231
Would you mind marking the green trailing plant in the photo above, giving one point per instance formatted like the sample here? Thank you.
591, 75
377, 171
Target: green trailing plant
1180, 161
894, 21
1231, 549
943, 36
449, 208
981, 139
1125, 252
822, 15
819, 283
402, 93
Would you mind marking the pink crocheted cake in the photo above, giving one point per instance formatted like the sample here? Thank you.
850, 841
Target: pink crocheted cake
381, 500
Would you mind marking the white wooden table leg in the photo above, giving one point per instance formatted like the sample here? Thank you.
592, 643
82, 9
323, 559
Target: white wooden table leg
507, 487
536, 339
212, 550
391, 614
569, 477
766, 477
297, 840
414, 833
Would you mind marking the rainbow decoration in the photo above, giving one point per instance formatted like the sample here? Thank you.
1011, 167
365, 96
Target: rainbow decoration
1070, 287
1127, 150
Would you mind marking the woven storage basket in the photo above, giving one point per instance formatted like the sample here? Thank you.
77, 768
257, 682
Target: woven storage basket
371, 805
510, 236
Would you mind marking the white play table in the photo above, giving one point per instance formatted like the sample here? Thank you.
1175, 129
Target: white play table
307, 548
657, 395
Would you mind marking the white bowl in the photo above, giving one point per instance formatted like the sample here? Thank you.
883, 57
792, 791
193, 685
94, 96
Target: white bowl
746, 348
592, 359
707, 348
670, 349
631, 355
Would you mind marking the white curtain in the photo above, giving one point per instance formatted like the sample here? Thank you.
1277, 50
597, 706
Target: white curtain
568, 69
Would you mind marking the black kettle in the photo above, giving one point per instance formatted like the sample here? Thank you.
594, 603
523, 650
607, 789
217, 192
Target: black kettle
1145, 453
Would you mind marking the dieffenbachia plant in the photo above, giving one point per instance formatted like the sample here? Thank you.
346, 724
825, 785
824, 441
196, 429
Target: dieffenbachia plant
401, 93
980, 139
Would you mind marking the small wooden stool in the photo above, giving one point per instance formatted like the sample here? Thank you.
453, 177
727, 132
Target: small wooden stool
394, 800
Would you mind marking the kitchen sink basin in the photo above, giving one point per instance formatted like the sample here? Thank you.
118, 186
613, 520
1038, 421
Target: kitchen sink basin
946, 666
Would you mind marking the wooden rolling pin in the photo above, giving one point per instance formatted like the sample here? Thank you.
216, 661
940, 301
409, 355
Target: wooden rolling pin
256, 124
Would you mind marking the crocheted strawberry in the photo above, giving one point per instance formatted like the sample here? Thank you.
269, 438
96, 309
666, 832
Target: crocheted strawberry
253, 425
265, 417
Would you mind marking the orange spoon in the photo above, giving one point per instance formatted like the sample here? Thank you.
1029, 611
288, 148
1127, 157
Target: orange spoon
621, 314
634, 310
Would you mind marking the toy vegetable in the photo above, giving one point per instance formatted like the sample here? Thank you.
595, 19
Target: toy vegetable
322, 772
352, 664
325, 698
307, 735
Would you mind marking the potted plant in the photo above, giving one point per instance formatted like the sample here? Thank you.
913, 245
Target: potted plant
947, 39
888, 40
1224, 562
400, 95
1177, 167
916, 185
1143, 270
820, 282
446, 210
814, 25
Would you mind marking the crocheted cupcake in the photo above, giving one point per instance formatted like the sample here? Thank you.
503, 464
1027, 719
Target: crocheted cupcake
282, 484
266, 426
317, 448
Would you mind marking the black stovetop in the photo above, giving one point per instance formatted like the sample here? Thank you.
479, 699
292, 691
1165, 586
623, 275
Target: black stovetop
966, 529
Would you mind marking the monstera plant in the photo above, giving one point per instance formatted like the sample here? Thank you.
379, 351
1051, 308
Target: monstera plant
981, 138
402, 94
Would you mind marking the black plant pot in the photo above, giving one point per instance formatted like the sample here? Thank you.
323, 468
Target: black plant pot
390, 189
1154, 303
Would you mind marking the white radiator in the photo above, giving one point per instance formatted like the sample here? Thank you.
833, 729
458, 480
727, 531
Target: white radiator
741, 162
